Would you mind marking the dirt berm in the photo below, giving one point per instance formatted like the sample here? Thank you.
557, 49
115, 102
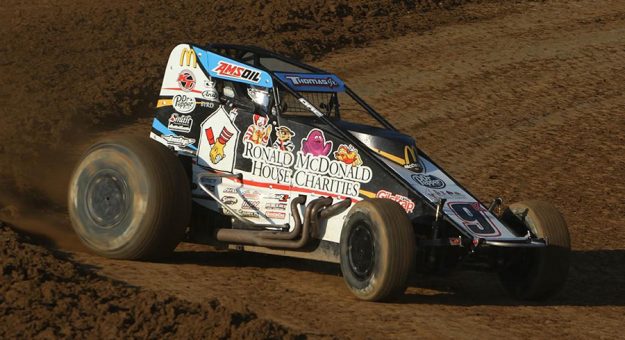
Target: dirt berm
45, 294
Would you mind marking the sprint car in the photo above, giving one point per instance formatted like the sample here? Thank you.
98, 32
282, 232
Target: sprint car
253, 151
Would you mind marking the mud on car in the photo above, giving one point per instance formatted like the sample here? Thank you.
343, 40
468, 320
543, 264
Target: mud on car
254, 151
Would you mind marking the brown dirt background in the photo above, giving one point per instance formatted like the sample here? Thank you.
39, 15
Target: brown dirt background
521, 99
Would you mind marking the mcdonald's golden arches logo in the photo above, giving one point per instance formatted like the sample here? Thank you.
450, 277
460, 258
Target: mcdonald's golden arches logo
188, 57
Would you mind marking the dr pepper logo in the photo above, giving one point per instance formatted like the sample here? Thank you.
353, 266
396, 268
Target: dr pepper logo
237, 72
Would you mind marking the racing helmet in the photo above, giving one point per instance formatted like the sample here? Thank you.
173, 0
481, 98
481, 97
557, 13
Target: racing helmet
261, 97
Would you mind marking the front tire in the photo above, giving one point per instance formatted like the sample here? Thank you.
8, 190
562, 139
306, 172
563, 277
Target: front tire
377, 249
129, 198
537, 273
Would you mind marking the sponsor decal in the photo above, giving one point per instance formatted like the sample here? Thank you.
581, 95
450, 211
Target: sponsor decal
243, 213
277, 197
321, 173
428, 181
250, 205
209, 105
183, 103
404, 201
315, 144
215, 148
268, 162
251, 194
259, 131
229, 200
276, 214
313, 168
225, 69
283, 139
309, 81
211, 92
275, 206
179, 141
348, 155
188, 57
180, 123
411, 161
435, 194
186, 80
311, 107
230, 191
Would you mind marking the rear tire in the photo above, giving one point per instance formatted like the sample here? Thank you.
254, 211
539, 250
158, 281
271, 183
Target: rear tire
537, 273
377, 249
129, 198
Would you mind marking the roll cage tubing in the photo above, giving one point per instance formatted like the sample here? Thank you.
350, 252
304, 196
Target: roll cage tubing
257, 52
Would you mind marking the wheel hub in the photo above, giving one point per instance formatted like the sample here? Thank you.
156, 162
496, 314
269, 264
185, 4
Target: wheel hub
361, 251
107, 194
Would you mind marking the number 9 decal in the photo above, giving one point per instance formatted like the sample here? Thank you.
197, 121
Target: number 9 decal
473, 218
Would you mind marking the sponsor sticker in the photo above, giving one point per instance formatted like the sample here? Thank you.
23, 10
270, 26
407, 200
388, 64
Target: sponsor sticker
186, 80
229, 200
180, 123
179, 141
404, 201
276, 215
275, 206
183, 103
228, 70
250, 205
428, 181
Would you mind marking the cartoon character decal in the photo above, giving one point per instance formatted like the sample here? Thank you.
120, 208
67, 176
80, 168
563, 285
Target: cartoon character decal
315, 144
348, 154
283, 139
259, 132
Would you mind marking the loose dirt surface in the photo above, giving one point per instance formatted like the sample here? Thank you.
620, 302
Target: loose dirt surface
523, 100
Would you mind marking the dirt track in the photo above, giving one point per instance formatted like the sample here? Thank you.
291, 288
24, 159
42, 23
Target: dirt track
523, 105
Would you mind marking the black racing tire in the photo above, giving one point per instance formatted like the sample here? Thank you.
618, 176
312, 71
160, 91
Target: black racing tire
537, 273
377, 249
129, 198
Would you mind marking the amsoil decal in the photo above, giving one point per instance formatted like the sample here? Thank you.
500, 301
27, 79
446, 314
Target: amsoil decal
183, 103
404, 201
228, 70
180, 123
429, 181
186, 80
